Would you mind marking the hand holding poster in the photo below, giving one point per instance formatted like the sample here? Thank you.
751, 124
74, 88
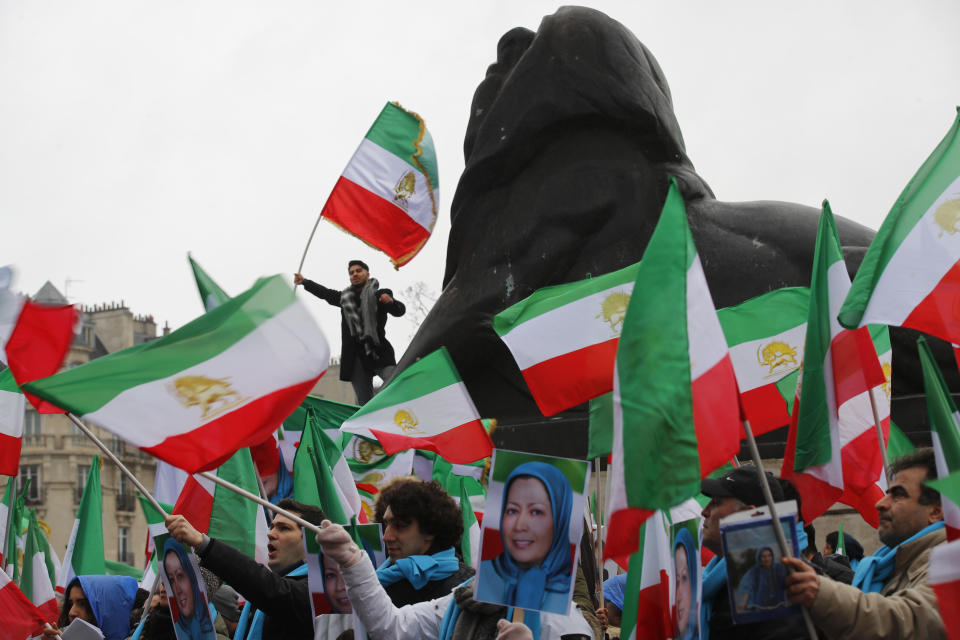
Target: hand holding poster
530, 537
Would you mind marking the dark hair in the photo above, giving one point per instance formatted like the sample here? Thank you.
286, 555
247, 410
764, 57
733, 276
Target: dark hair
853, 547
359, 262
436, 512
924, 458
64, 618
310, 513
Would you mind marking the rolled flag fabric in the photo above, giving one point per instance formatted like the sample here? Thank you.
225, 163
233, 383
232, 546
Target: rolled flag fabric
34, 338
224, 381
34, 579
12, 406
85, 547
944, 431
840, 367
425, 406
649, 596
470, 541
945, 580
766, 336
389, 193
564, 338
911, 271
21, 619
676, 410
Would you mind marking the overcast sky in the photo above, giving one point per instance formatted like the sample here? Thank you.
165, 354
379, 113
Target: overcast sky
133, 132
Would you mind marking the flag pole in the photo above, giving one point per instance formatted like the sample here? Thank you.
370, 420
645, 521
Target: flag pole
153, 592
883, 448
106, 451
777, 525
600, 533
264, 503
303, 258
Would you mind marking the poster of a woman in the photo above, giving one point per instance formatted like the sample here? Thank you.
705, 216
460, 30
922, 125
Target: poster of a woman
187, 600
686, 556
534, 564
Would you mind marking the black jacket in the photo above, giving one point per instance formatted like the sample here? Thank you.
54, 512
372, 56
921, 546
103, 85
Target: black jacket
402, 593
350, 348
722, 627
285, 601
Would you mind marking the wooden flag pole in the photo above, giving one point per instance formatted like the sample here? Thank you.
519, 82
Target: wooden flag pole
264, 503
777, 525
153, 591
883, 447
106, 451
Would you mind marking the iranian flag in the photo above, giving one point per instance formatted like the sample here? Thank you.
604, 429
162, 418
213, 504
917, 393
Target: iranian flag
9, 497
676, 414
220, 383
372, 468
388, 194
21, 619
649, 594
840, 367
944, 431
766, 336
564, 338
224, 514
470, 541
945, 580
11, 423
34, 338
35, 579
910, 274
425, 406
85, 548
322, 477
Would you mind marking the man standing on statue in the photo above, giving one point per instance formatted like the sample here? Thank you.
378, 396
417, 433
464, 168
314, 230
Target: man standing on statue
364, 306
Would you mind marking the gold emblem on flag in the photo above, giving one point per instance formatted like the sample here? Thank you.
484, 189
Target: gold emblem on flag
200, 391
366, 452
947, 216
779, 357
887, 373
404, 190
407, 421
613, 310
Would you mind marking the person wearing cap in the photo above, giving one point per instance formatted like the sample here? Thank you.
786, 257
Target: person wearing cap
364, 350
891, 595
226, 600
737, 490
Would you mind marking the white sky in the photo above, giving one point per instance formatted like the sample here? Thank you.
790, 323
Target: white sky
133, 132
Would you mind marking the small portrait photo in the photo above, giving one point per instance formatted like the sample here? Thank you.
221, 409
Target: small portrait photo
531, 531
755, 574
686, 564
186, 591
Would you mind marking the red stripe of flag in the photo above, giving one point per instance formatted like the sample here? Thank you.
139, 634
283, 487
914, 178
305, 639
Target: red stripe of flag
939, 312
856, 368
38, 344
463, 444
572, 378
715, 409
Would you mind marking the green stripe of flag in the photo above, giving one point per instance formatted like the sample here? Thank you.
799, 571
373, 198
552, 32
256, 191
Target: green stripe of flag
781, 310
88, 558
397, 130
547, 299
430, 373
233, 518
82, 390
7, 383
211, 295
940, 407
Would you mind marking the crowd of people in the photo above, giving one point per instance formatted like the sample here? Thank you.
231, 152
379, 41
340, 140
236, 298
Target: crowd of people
425, 590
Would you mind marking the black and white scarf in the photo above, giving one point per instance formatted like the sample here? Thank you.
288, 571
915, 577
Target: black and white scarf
361, 315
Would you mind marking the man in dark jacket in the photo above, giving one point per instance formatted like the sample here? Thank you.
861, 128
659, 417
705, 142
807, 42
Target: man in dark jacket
422, 527
364, 306
280, 592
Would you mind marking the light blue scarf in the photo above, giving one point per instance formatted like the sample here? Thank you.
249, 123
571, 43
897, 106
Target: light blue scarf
874, 570
452, 614
419, 570
256, 625
715, 577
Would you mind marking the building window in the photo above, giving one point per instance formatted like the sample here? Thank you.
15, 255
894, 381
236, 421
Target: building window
125, 498
31, 423
30, 472
83, 471
123, 545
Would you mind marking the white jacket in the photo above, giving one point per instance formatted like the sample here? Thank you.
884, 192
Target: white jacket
384, 621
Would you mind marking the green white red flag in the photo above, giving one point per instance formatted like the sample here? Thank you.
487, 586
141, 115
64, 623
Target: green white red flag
765, 335
425, 406
34, 338
11, 423
649, 594
21, 619
840, 366
564, 338
35, 579
944, 431
911, 271
470, 541
85, 548
372, 468
945, 581
222, 382
224, 514
676, 413
389, 193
